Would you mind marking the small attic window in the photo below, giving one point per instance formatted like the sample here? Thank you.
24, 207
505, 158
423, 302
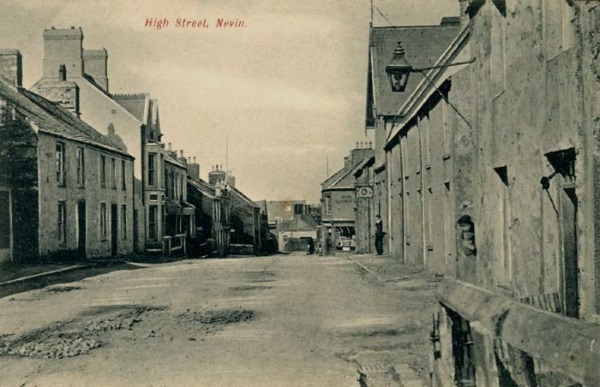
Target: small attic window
113, 111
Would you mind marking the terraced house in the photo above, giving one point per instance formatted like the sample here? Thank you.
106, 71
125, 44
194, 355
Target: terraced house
66, 191
131, 121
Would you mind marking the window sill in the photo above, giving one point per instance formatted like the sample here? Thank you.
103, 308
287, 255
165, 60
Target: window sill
504, 286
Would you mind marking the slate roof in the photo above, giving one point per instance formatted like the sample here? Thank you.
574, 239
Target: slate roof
344, 178
203, 187
134, 104
423, 45
303, 222
52, 118
243, 197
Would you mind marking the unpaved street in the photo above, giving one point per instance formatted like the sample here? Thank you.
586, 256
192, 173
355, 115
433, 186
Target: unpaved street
288, 320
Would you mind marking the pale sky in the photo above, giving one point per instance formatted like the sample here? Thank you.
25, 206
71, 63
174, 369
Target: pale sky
288, 89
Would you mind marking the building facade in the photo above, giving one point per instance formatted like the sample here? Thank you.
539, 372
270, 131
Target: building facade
423, 45
248, 224
496, 162
212, 216
130, 121
338, 203
66, 190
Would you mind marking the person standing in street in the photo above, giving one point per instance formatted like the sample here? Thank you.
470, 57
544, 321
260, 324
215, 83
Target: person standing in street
379, 234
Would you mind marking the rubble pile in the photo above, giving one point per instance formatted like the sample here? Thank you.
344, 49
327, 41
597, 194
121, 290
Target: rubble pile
56, 343
112, 324
226, 316
52, 347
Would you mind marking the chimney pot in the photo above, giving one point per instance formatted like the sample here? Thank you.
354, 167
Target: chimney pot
181, 152
194, 159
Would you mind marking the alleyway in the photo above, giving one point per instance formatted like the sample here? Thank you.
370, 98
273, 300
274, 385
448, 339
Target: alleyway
272, 321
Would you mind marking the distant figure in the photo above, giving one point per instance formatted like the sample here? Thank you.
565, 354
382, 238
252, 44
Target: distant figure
379, 234
311, 247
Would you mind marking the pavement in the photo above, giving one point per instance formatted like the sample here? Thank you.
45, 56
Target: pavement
388, 270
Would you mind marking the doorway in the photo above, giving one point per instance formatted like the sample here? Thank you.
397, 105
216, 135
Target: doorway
5, 226
568, 205
114, 230
81, 229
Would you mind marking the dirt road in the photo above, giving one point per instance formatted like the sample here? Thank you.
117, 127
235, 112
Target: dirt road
269, 321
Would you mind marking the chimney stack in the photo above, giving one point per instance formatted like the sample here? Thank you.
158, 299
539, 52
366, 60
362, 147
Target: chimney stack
11, 67
95, 65
193, 169
63, 46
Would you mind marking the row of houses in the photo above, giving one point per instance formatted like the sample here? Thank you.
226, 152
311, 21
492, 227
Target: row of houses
85, 173
485, 172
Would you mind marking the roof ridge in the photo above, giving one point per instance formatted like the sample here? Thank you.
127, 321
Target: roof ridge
143, 94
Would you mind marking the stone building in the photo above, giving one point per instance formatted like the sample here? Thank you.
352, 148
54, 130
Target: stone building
502, 156
338, 202
294, 234
423, 45
248, 224
212, 215
66, 191
130, 121
179, 216
283, 210
365, 216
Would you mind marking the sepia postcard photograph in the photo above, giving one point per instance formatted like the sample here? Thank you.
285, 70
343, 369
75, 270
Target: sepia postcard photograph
365, 193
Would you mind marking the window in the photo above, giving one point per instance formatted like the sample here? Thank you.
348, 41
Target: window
62, 222
113, 171
164, 176
151, 168
60, 163
123, 175
328, 205
152, 223
80, 167
103, 221
102, 171
165, 182
123, 221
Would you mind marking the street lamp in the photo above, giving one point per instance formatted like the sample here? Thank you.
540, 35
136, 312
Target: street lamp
398, 70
